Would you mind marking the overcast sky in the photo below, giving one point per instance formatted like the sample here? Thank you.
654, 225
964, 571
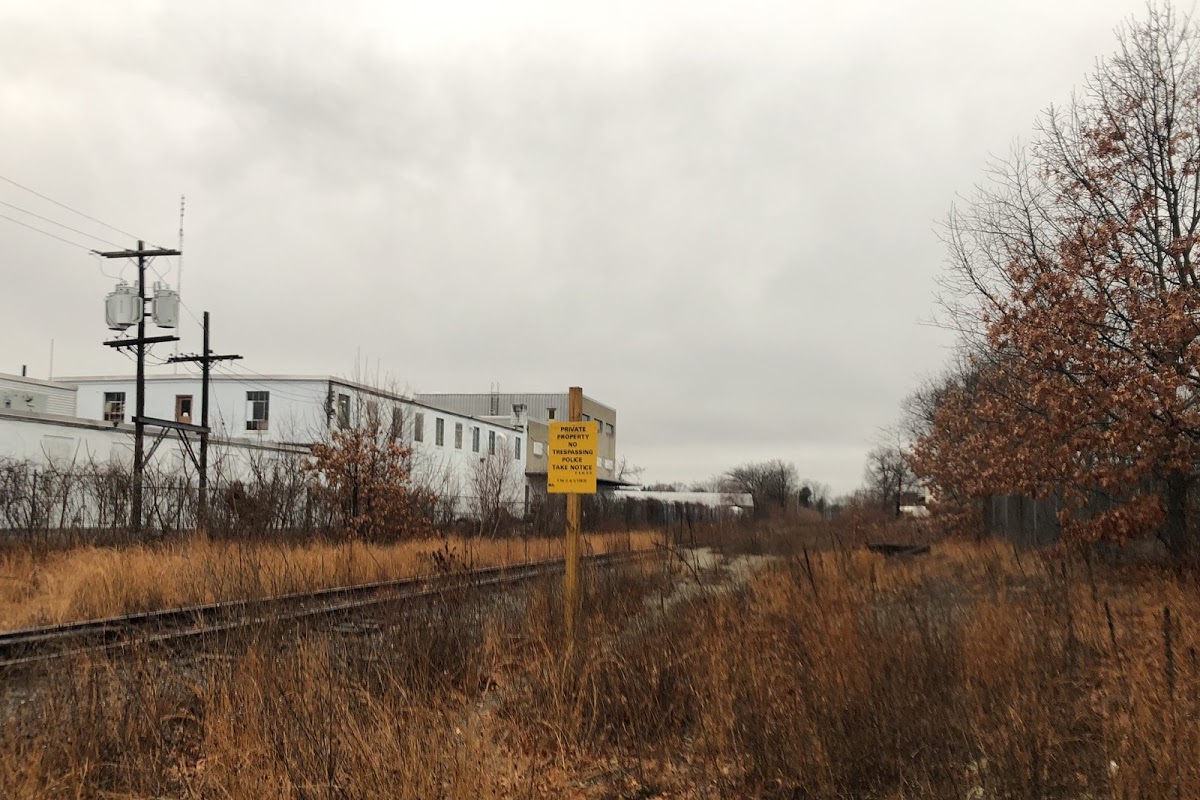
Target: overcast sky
718, 217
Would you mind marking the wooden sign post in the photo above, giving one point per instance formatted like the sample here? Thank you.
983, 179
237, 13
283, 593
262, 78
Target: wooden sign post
572, 471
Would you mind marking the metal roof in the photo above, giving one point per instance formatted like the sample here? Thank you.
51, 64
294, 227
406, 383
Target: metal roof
49, 384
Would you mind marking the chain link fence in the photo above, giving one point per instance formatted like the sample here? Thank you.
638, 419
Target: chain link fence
52, 507
1025, 521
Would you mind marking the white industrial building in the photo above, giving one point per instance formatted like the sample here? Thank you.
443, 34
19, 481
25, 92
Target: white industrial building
302, 410
540, 409
89, 419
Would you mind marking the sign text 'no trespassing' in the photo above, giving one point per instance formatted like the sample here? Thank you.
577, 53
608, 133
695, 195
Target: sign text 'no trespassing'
572, 466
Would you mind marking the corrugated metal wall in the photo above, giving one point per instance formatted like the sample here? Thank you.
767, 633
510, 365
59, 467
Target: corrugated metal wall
483, 405
59, 398
1023, 520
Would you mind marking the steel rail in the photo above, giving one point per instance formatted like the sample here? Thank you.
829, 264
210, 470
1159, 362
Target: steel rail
30, 646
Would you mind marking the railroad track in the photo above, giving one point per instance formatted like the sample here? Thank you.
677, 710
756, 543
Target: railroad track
30, 646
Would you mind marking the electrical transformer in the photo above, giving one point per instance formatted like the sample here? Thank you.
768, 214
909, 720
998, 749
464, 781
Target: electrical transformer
165, 307
122, 307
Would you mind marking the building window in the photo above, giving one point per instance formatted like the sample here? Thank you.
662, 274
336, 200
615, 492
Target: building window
343, 411
373, 415
550, 412
397, 422
608, 428
257, 410
491, 443
439, 431
539, 449
458, 436
517, 448
114, 406
474, 438
183, 408
586, 418
418, 427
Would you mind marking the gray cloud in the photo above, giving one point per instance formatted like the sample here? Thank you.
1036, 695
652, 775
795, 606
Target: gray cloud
717, 217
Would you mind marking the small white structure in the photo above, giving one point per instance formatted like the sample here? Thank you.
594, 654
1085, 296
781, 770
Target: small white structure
19, 393
63, 441
735, 502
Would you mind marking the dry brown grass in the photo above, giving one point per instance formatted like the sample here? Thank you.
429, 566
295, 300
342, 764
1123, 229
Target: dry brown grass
92, 582
264, 724
408, 714
974, 672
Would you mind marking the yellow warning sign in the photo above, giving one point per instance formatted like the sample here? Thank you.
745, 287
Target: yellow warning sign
572, 458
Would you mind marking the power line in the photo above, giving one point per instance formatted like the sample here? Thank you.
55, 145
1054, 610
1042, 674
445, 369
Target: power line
157, 271
270, 383
246, 379
59, 224
104, 272
268, 386
191, 313
245, 372
48, 233
253, 372
67, 207
259, 374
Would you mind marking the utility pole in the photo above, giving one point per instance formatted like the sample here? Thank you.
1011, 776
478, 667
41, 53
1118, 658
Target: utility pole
139, 424
571, 470
206, 359
574, 518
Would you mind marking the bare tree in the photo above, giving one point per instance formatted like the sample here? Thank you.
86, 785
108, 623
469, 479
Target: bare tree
888, 475
772, 484
710, 484
496, 481
627, 472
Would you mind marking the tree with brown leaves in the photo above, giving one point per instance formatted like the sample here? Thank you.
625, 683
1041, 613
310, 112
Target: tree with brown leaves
364, 473
1074, 282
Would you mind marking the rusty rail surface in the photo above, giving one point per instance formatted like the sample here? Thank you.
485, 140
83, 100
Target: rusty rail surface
29, 646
